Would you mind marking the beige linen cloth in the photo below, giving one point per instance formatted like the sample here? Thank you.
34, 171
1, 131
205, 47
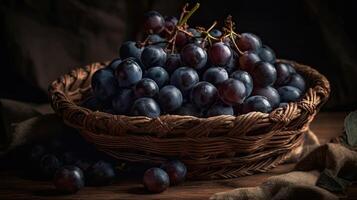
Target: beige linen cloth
320, 172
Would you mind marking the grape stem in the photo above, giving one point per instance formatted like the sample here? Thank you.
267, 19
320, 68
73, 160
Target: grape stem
206, 33
231, 34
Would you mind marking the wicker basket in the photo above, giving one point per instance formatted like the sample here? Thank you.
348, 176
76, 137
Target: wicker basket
215, 147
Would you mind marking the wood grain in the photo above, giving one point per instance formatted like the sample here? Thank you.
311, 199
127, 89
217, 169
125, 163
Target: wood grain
326, 126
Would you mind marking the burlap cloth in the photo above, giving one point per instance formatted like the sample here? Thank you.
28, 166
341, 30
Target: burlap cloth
321, 170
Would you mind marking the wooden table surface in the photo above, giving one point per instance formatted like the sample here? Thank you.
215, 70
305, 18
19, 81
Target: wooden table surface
326, 126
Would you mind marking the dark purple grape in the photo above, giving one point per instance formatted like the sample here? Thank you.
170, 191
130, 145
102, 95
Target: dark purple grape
153, 56
104, 84
130, 49
170, 23
49, 165
69, 158
173, 62
159, 75
283, 104
170, 98
267, 54
99, 174
156, 180
181, 39
233, 64
284, 72
219, 109
114, 64
203, 94
123, 101
264, 74
289, 94
296, 80
270, 93
219, 54
188, 109
146, 88
194, 32
176, 171
248, 60
146, 107
194, 56
91, 103
249, 42
69, 179
232, 91
215, 75
184, 78
153, 22
244, 76
156, 39
215, 33
257, 104
128, 73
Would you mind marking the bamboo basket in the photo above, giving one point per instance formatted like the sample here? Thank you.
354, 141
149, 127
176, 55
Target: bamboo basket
212, 148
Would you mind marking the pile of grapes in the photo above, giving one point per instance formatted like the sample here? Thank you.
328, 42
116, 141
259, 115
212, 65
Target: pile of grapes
200, 72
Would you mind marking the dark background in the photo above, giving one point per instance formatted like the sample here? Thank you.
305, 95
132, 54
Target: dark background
42, 39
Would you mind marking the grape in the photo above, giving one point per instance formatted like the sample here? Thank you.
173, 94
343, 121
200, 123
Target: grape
49, 164
244, 76
270, 93
91, 103
173, 62
128, 73
114, 64
188, 109
153, 22
35, 155
184, 79
159, 75
146, 107
104, 84
156, 180
219, 54
181, 39
249, 42
203, 94
284, 72
194, 56
153, 56
69, 179
264, 74
296, 80
257, 104
176, 171
170, 98
156, 39
289, 94
215, 33
170, 23
194, 32
267, 54
219, 109
232, 91
215, 75
99, 174
146, 88
130, 49
122, 102
233, 63
248, 60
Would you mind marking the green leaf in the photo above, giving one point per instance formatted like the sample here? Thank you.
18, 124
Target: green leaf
351, 128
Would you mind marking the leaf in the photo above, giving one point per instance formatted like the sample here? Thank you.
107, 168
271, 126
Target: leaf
351, 128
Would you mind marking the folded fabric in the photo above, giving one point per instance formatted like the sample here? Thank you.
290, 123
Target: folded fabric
22, 123
326, 169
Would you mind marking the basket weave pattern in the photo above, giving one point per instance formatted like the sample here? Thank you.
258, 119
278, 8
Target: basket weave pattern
215, 147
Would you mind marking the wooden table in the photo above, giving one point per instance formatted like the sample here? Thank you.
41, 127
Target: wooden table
326, 126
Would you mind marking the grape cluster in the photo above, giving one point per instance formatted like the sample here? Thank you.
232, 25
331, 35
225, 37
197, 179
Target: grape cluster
178, 69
